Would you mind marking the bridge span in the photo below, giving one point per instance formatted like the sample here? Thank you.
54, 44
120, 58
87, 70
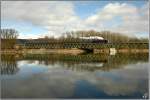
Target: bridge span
39, 45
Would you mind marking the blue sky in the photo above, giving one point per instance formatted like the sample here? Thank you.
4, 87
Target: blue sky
23, 27
33, 21
90, 7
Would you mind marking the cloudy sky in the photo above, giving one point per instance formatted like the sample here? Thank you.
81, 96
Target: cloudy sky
35, 19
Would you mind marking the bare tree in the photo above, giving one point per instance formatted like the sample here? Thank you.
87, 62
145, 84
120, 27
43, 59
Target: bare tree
9, 34
8, 38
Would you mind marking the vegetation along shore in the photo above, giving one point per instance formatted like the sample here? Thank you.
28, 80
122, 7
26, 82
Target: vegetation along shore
71, 42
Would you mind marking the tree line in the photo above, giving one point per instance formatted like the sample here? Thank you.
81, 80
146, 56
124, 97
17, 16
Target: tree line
112, 37
9, 37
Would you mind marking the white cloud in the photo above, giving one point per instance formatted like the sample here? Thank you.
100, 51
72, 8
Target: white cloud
110, 11
50, 15
29, 36
59, 17
134, 20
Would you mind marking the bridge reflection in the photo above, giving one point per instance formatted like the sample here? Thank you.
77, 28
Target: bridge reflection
88, 62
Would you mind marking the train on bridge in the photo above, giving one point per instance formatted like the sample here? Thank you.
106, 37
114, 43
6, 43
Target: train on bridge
94, 39
90, 39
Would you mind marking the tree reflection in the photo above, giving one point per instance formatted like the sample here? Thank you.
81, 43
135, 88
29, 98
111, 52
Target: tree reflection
120, 60
8, 64
87, 62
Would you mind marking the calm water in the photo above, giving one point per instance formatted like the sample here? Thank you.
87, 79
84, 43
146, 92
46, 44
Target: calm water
74, 76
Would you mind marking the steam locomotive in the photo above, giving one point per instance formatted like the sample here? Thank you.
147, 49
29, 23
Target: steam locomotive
94, 39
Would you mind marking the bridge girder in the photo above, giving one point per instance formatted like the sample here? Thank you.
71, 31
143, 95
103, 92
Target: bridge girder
85, 45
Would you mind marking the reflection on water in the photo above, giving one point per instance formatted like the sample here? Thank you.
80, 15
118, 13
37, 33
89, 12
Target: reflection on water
8, 65
74, 76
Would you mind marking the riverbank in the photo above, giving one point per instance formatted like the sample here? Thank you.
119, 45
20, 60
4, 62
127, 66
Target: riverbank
73, 51
41, 51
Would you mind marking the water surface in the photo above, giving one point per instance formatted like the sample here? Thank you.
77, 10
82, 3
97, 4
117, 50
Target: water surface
74, 76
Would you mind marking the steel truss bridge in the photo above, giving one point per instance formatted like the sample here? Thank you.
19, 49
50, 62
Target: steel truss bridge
59, 45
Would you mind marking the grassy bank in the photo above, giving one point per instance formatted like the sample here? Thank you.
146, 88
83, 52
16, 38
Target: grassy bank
74, 51
41, 51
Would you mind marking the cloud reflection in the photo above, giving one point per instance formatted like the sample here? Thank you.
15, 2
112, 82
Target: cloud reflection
61, 80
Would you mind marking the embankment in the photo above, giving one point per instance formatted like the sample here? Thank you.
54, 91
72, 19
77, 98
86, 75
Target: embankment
40, 51
73, 51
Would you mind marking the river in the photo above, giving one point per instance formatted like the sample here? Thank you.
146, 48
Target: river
94, 76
